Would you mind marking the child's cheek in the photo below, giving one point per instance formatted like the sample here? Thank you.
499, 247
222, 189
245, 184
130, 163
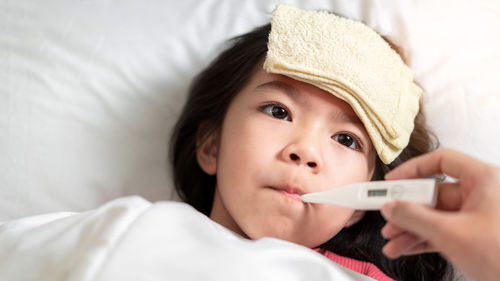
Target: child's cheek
332, 219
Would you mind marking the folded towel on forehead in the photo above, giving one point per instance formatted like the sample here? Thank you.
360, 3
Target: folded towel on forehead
354, 63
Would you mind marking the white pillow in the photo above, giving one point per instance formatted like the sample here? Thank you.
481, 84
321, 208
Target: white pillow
91, 89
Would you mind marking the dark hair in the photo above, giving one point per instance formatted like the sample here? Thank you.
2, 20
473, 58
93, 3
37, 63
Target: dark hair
209, 97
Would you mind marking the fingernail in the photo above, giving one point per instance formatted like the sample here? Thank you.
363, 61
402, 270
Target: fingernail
387, 210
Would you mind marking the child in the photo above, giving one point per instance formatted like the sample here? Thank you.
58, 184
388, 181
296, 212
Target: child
249, 142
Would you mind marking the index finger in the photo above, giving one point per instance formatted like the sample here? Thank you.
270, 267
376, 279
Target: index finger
449, 162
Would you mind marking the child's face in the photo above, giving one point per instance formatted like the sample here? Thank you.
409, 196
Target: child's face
280, 138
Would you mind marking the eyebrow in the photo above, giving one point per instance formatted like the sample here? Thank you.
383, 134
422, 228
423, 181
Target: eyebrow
294, 93
347, 118
281, 86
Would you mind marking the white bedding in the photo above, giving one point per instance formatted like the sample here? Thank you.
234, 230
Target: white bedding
132, 239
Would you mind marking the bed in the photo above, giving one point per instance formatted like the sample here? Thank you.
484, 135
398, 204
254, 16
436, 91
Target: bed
90, 91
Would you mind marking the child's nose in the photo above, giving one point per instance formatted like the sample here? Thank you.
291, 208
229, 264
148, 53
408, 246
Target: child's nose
303, 152
296, 158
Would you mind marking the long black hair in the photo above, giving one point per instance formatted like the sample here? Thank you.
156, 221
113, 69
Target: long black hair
209, 97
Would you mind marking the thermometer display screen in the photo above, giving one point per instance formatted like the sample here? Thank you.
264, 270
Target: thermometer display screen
377, 192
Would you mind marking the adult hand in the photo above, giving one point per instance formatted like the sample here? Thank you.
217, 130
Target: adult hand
465, 226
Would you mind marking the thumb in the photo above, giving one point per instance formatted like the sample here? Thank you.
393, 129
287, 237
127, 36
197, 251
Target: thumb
421, 220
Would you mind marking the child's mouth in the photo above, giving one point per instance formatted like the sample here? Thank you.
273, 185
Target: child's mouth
289, 192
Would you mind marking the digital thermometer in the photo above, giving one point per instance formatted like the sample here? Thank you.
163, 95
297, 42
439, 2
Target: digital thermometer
372, 195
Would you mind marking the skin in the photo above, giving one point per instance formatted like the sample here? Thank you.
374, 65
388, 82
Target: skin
267, 154
464, 227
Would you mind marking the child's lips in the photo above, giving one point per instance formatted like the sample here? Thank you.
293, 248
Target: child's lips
289, 191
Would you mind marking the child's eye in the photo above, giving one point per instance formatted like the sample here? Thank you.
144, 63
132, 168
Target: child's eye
348, 140
276, 110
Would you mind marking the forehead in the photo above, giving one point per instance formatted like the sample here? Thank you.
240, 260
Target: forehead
301, 92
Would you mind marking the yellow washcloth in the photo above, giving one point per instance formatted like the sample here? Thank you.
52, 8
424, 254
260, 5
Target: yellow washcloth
354, 63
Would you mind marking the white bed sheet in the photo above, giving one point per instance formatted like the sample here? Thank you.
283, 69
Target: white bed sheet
132, 239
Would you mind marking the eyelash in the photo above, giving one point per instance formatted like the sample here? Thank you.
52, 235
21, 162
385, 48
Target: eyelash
275, 104
357, 141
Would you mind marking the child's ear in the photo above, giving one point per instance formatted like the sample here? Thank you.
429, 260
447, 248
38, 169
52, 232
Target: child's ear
356, 216
206, 154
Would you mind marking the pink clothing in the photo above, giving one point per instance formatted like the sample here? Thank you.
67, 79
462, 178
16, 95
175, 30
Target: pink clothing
362, 267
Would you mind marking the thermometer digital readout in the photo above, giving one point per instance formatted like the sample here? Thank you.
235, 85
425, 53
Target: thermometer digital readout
373, 195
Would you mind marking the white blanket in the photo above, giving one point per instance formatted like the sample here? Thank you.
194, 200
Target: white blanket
133, 239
